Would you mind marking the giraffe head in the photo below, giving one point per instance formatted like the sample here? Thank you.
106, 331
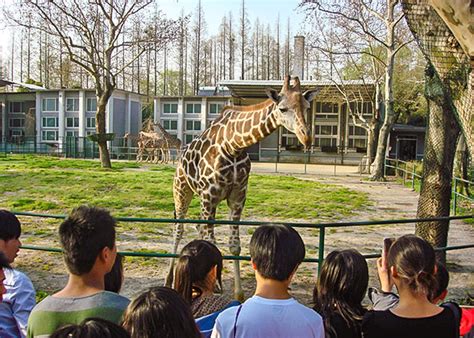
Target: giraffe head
291, 108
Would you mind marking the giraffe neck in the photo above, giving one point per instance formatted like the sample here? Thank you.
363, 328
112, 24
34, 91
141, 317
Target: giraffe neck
246, 127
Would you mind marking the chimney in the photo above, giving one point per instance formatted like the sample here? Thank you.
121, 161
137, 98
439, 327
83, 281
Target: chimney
298, 58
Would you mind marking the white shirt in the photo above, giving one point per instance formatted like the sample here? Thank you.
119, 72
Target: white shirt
262, 318
17, 304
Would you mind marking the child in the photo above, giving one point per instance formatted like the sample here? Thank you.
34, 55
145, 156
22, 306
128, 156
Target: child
88, 240
20, 296
338, 296
91, 328
412, 263
160, 312
276, 252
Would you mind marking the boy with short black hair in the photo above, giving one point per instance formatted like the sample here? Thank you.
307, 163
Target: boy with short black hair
20, 296
88, 240
4, 264
276, 252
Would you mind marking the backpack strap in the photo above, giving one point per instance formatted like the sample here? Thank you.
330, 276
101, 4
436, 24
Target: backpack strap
457, 315
235, 321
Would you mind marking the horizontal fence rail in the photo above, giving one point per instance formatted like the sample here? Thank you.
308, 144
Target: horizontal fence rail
412, 176
320, 226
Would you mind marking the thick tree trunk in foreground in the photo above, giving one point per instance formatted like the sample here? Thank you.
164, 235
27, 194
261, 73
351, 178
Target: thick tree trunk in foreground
440, 146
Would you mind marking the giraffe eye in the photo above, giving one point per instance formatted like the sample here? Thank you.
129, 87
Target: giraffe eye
283, 110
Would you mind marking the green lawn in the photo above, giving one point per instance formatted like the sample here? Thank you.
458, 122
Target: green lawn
55, 186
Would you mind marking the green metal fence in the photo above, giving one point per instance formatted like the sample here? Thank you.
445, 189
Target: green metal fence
320, 226
407, 171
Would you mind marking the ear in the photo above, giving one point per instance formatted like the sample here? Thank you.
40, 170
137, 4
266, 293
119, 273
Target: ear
393, 272
273, 94
443, 295
254, 266
309, 95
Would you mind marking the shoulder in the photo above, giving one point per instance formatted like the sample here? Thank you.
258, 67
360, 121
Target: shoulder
15, 278
114, 299
306, 311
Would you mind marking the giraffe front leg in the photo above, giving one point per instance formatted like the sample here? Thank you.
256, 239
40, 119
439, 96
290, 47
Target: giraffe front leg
208, 212
234, 246
182, 195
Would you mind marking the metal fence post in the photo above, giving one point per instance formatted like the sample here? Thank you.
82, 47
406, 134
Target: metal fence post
413, 173
455, 192
322, 233
335, 164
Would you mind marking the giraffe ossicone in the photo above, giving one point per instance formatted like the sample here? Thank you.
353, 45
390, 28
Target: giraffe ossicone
216, 167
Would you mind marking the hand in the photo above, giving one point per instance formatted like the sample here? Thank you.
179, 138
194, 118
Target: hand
386, 282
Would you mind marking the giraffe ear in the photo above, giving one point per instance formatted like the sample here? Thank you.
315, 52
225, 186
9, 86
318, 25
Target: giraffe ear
273, 94
310, 94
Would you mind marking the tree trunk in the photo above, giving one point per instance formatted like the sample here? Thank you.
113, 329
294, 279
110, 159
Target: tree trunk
442, 134
100, 129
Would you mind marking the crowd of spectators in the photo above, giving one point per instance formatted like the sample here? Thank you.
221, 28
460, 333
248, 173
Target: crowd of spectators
90, 305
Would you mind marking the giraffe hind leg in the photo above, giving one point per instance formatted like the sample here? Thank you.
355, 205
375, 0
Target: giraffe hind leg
183, 195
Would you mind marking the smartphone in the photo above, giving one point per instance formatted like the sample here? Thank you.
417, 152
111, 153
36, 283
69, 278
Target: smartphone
387, 243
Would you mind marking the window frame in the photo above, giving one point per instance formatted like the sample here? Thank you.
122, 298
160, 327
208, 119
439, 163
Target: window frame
44, 105
74, 99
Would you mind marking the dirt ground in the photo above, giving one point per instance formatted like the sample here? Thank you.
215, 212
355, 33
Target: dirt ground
390, 200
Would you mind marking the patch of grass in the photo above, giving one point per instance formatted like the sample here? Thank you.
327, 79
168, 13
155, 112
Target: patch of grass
40, 295
53, 185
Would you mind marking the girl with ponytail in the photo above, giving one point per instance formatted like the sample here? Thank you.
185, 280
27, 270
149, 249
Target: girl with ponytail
412, 268
198, 271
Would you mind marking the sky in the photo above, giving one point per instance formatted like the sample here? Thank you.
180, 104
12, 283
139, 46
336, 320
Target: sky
266, 11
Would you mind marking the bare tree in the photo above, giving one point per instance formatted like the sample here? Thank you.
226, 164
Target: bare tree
244, 25
91, 32
377, 23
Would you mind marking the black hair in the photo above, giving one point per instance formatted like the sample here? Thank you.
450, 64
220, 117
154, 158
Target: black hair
91, 328
160, 312
414, 259
341, 287
195, 262
442, 278
4, 263
10, 226
113, 280
276, 250
83, 235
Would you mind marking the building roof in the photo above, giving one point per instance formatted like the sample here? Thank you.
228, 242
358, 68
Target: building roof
256, 88
4, 83
408, 128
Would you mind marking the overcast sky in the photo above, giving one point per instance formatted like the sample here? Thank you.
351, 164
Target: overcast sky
266, 11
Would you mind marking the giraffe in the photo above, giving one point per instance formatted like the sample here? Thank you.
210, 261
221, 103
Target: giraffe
216, 167
171, 142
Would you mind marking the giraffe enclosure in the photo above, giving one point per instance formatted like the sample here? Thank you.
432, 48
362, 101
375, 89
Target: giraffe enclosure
54, 186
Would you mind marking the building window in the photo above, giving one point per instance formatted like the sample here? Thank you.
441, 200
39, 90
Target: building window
72, 122
91, 104
50, 122
89, 132
193, 125
325, 136
327, 110
72, 133
188, 138
50, 105
215, 108
170, 108
16, 132
358, 143
354, 130
193, 108
16, 107
16, 123
72, 104
50, 135
358, 108
170, 124
90, 122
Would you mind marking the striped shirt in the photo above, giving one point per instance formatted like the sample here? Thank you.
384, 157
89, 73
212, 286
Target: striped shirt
54, 312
